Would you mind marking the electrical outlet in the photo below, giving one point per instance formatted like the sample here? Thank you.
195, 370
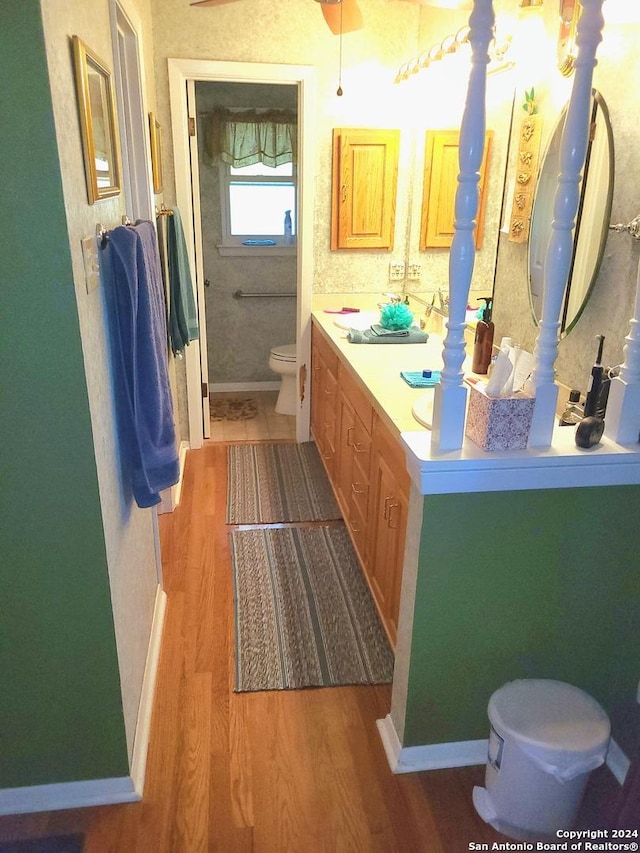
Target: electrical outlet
414, 272
396, 271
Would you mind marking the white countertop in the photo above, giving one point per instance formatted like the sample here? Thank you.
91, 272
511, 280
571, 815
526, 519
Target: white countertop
470, 469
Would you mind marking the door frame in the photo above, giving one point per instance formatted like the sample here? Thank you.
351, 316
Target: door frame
304, 77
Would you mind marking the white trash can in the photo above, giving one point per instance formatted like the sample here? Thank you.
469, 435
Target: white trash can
545, 739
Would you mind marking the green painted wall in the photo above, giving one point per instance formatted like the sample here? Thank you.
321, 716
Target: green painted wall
60, 705
532, 584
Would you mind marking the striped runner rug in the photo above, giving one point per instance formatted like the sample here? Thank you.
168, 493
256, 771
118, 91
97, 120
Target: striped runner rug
271, 483
304, 615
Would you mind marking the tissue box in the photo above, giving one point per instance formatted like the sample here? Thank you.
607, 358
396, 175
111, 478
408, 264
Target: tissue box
499, 423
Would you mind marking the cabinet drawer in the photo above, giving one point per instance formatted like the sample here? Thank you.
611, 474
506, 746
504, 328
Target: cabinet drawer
319, 342
357, 396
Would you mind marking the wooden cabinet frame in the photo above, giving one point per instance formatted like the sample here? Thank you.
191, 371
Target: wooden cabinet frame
441, 171
364, 185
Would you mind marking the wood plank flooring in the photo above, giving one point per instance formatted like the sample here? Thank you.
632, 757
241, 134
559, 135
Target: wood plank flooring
273, 772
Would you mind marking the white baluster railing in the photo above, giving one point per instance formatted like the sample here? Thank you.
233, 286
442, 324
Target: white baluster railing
573, 151
622, 422
450, 394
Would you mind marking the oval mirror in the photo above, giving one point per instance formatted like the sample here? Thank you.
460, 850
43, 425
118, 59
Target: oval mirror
592, 219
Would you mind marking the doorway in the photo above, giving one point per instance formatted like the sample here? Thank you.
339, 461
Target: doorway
247, 184
182, 75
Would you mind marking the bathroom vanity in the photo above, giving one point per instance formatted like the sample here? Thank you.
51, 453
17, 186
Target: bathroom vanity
485, 567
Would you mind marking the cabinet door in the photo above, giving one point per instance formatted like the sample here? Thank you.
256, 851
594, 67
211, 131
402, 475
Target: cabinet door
365, 178
324, 387
440, 185
389, 500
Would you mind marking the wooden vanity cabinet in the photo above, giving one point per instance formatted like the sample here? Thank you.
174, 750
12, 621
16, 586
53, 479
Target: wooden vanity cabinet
368, 471
364, 184
324, 402
387, 525
355, 416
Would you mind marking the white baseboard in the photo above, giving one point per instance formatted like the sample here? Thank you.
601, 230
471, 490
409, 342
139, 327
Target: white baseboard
145, 709
243, 386
617, 762
464, 753
171, 497
68, 795
434, 756
101, 792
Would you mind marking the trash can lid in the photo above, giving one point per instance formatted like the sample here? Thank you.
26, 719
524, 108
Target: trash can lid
551, 715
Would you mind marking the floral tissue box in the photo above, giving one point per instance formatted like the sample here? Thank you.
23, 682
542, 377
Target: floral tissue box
499, 423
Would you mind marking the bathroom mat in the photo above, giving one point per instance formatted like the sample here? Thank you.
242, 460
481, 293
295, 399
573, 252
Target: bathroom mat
271, 483
233, 408
304, 615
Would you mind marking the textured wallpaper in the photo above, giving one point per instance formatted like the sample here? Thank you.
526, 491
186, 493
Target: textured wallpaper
395, 32
611, 304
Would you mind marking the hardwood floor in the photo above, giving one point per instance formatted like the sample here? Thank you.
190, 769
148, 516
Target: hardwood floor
273, 772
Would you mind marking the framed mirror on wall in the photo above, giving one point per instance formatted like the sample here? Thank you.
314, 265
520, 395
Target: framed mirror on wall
592, 218
96, 108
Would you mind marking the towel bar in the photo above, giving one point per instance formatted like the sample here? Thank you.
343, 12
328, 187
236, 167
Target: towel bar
240, 294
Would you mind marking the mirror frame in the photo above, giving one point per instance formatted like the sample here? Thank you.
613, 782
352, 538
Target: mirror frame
86, 62
598, 103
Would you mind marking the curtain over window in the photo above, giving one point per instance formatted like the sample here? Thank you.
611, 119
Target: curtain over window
242, 138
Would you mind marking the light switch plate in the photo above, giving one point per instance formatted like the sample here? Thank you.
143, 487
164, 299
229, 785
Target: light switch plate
91, 262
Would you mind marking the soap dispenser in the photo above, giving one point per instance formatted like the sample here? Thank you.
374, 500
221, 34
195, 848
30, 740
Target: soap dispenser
483, 343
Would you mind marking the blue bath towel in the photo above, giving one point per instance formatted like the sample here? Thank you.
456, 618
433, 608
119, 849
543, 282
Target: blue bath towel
143, 403
183, 321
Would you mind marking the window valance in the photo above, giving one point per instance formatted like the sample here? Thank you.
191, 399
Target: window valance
243, 137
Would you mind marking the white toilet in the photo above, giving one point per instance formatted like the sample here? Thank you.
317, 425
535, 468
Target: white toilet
282, 360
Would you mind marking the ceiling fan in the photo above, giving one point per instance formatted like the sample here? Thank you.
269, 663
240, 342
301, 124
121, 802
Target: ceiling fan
341, 15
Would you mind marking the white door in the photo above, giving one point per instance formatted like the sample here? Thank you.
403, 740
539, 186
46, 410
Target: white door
199, 269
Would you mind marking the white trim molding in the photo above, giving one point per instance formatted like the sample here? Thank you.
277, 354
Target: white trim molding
463, 753
171, 496
68, 795
617, 762
145, 709
435, 756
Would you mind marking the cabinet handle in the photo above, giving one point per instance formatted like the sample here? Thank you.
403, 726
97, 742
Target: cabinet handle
358, 491
354, 526
349, 433
390, 516
328, 392
386, 506
360, 448
344, 192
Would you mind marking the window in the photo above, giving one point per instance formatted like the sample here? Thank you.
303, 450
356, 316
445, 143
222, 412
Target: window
255, 200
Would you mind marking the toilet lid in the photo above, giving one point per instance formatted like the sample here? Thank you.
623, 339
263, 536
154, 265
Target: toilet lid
286, 352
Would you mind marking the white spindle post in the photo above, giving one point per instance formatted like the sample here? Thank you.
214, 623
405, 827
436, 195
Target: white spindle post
622, 423
450, 394
573, 151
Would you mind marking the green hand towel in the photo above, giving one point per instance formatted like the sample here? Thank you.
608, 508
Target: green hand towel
414, 335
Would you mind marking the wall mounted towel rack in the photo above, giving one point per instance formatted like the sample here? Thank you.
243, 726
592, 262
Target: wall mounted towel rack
632, 228
241, 294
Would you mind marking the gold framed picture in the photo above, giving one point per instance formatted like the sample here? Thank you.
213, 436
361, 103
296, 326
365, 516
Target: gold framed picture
97, 123
155, 135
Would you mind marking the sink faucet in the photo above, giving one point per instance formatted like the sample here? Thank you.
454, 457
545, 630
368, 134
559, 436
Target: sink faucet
444, 301
392, 299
